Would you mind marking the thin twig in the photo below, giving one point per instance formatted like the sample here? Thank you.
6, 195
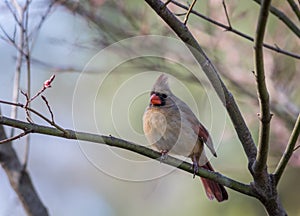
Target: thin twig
36, 113
167, 2
226, 13
284, 18
243, 35
52, 115
14, 137
26, 107
37, 28
19, 21
11, 40
280, 110
189, 12
263, 95
28, 64
49, 108
296, 148
47, 84
288, 151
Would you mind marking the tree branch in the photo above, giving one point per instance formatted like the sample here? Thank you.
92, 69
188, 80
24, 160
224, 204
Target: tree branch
211, 72
51, 122
14, 137
189, 12
229, 28
20, 44
20, 179
119, 143
288, 151
263, 95
226, 14
280, 110
283, 18
295, 8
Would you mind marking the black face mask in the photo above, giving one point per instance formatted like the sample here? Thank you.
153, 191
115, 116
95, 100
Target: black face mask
162, 98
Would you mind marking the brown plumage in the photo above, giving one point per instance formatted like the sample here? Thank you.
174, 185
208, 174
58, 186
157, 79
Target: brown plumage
171, 126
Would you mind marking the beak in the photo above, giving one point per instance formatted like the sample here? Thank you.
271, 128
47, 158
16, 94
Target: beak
155, 100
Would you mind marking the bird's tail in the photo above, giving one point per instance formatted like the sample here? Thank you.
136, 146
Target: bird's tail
213, 189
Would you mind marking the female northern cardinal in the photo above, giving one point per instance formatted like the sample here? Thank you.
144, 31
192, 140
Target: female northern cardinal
171, 126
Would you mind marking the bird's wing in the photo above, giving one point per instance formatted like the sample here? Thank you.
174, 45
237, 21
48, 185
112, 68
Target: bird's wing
205, 137
198, 128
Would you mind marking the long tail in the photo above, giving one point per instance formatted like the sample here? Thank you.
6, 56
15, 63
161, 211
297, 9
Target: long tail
213, 189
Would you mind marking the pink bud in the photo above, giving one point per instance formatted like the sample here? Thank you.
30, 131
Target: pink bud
47, 83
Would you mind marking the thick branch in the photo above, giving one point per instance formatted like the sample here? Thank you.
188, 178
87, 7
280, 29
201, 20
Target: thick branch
211, 72
20, 179
115, 142
288, 151
263, 95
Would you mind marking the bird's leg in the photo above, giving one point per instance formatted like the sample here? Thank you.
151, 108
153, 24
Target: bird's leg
195, 165
164, 155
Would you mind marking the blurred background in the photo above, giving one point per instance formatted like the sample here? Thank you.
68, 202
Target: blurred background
102, 87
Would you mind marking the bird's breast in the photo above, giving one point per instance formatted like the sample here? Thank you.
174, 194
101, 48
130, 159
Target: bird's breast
154, 125
169, 131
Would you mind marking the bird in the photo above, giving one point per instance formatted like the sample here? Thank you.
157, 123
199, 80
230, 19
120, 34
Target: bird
170, 126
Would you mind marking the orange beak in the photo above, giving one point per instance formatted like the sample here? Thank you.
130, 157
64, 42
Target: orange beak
155, 100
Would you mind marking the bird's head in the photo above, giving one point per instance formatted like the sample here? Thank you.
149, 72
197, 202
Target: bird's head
161, 94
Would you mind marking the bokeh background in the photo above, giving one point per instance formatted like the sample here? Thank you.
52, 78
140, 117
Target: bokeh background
99, 89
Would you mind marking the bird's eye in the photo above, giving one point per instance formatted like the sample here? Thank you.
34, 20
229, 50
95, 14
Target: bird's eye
164, 95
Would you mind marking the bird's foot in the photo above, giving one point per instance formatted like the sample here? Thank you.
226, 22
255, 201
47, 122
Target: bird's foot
164, 155
195, 167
